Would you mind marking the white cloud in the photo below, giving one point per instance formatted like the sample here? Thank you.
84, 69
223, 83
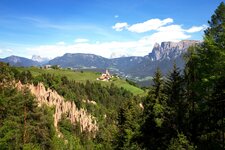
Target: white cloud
120, 26
152, 24
196, 29
80, 40
149, 25
169, 33
155, 25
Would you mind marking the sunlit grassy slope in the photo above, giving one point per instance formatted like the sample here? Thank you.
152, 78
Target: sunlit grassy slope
83, 76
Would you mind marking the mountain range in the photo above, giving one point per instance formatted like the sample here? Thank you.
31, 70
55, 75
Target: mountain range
163, 56
19, 61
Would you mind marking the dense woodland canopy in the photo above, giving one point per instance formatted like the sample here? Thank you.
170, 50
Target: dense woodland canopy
184, 110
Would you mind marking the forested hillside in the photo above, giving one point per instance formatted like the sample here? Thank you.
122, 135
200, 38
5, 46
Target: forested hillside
184, 110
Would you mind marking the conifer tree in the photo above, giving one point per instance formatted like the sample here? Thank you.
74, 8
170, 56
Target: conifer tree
175, 102
129, 125
205, 71
153, 130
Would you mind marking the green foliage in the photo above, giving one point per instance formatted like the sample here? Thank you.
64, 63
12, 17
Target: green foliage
157, 87
158, 97
180, 143
176, 103
154, 130
22, 123
72, 135
132, 83
158, 112
204, 73
6, 73
25, 77
211, 54
129, 125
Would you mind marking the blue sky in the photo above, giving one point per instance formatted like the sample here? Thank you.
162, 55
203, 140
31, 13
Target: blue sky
50, 28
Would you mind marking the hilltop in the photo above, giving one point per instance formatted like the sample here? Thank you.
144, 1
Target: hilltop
83, 76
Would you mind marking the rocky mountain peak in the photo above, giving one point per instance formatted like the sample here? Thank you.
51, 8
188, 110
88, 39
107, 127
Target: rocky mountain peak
156, 45
170, 50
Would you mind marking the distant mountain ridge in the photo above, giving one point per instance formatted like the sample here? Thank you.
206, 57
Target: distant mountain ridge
80, 60
19, 61
162, 56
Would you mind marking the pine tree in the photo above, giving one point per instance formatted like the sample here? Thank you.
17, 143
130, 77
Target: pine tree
159, 98
204, 74
129, 125
212, 51
153, 130
157, 85
212, 73
175, 102
192, 88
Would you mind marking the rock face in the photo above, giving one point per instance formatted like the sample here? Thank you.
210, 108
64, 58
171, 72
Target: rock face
170, 50
53, 99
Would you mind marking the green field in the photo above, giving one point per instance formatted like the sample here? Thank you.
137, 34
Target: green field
83, 76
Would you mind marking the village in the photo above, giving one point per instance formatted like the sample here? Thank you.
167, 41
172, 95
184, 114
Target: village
105, 76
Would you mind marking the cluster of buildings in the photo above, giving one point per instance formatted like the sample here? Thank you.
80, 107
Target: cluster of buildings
105, 76
50, 66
